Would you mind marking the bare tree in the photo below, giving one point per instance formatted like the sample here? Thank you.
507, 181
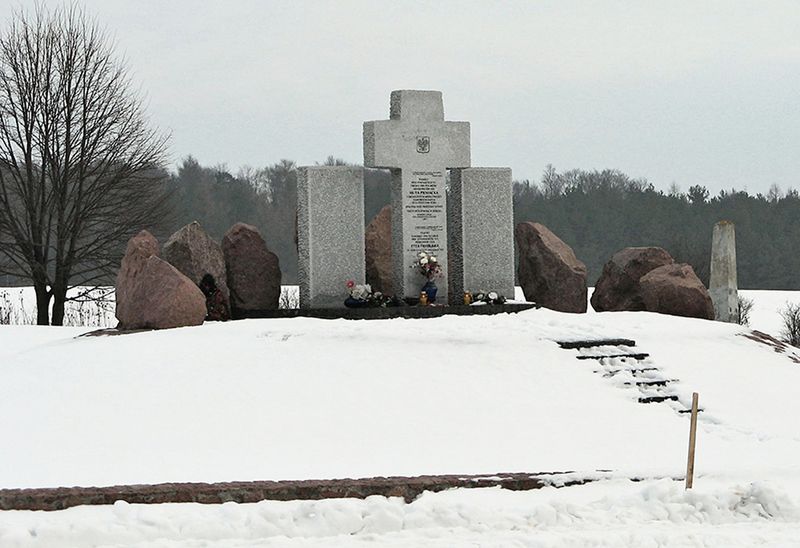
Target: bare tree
790, 314
80, 168
774, 193
743, 310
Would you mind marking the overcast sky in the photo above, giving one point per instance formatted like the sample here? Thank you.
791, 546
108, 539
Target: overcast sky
687, 92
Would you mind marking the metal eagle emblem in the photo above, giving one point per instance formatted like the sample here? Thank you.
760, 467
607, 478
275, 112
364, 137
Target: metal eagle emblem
423, 145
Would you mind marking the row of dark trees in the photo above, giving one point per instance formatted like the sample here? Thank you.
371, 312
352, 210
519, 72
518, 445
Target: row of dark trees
596, 212
264, 197
600, 212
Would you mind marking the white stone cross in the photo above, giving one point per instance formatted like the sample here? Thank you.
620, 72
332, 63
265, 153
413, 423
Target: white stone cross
418, 146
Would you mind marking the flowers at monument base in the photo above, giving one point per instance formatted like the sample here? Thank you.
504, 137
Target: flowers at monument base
484, 297
361, 296
359, 291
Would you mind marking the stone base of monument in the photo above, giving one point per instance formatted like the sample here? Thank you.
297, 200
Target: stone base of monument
379, 313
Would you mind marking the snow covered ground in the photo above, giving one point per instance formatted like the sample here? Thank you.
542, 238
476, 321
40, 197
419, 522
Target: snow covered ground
306, 398
616, 513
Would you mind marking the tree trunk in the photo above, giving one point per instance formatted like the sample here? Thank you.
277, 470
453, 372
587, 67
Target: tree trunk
42, 303
59, 299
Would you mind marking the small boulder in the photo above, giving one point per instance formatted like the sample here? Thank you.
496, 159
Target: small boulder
253, 271
378, 247
549, 272
675, 289
618, 286
153, 294
140, 248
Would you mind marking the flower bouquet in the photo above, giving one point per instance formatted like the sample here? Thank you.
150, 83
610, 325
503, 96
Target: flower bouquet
427, 265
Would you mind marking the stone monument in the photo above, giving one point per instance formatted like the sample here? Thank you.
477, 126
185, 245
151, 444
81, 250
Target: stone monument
471, 231
418, 146
481, 232
723, 284
330, 233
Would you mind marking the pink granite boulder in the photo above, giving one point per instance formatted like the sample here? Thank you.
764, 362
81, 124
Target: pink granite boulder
192, 251
153, 294
253, 271
549, 272
618, 285
675, 289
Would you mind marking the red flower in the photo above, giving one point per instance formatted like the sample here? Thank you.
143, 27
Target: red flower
350, 284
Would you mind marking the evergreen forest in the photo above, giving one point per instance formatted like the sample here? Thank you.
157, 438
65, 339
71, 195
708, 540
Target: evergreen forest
595, 212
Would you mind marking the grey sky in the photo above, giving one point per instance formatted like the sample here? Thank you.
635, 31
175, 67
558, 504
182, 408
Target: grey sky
691, 92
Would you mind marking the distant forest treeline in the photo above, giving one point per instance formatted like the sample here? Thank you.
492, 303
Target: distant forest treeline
600, 212
596, 212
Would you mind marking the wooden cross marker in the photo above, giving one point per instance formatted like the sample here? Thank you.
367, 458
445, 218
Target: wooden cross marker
692, 440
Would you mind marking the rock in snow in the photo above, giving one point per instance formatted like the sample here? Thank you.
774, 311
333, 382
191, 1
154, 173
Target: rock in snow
549, 272
675, 289
192, 251
151, 293
618, 286
164, 298
254, 274
140, 248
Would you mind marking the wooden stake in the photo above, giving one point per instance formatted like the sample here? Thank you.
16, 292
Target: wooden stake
692, 440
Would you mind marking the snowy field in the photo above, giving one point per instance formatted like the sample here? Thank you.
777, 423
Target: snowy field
307, 398
613, 514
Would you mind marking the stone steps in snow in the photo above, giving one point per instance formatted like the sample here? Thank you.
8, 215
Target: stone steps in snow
633, 371
634, 356
648, 380
657, 382
577, 345
658, 399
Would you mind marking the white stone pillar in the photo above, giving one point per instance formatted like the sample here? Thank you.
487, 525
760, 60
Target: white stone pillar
723, 285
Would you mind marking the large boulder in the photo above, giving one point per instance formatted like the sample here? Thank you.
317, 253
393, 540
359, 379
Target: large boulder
378, 247
618, 286
675, 289
153, 294
549, 272
192, 251
140, 248
254, 274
